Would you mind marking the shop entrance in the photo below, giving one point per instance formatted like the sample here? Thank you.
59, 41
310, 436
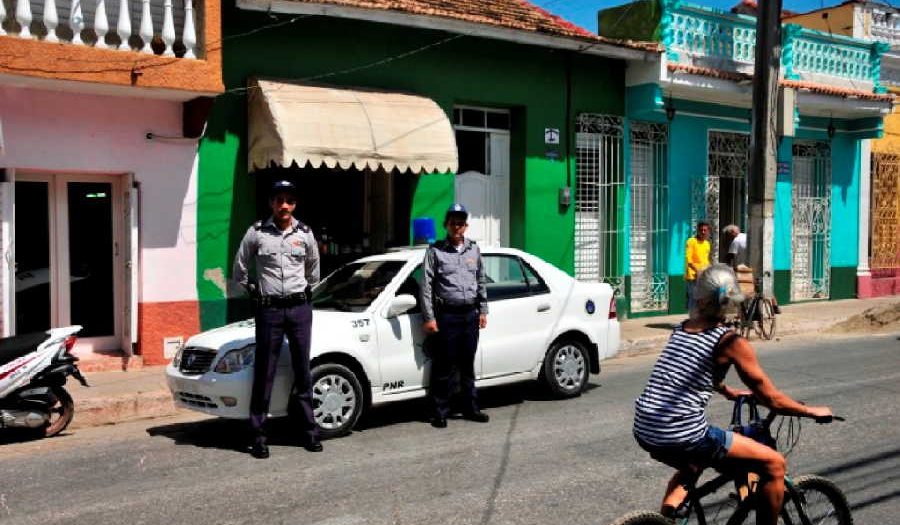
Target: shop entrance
66, 244
351, 212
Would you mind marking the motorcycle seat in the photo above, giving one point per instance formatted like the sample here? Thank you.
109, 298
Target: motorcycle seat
14, 347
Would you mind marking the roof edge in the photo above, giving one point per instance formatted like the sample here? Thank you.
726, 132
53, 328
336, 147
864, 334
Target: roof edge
599, 46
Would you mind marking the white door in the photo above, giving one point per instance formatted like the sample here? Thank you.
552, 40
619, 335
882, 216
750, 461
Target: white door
69, 256
486, 195
520, 317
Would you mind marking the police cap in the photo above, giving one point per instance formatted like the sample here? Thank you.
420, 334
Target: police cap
283, 186
456, 209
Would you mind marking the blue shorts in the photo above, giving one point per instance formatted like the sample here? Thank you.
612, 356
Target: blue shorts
706, 452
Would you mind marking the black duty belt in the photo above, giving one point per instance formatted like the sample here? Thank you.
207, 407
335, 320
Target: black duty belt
456, 308
283, 301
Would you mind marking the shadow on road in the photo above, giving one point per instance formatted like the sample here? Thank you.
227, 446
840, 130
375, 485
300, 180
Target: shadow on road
233, 434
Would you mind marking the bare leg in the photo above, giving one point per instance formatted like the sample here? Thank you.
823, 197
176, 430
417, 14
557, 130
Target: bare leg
770, 465
676, 491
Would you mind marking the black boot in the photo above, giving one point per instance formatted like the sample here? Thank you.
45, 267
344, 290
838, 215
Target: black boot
259, 449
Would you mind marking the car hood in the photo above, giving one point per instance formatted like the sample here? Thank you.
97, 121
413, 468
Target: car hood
331, 329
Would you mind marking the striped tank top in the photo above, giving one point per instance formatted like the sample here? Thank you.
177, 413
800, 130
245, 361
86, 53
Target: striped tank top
672, 409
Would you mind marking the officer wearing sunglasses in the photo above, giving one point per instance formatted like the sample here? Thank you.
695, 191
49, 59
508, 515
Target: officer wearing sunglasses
286, 259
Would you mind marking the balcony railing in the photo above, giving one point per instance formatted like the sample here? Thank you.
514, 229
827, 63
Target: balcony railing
160, 27
699, 35
885, 28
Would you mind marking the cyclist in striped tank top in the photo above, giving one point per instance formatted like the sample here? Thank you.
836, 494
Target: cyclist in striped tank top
670, 419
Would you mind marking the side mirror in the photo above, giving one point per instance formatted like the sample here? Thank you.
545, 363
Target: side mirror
401, 304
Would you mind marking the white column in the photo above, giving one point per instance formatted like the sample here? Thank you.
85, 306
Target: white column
101, 24
168, 28
2, 17
146, 26
76, 22
865, 185
51, 20
189, 34
23, 17
123, 26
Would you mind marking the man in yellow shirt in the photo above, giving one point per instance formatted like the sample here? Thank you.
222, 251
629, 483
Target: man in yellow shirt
696, 258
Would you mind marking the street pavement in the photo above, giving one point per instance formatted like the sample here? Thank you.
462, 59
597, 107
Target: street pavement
118, 396
538, 461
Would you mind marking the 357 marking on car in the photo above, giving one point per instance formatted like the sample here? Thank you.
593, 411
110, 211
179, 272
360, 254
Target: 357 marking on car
359, 323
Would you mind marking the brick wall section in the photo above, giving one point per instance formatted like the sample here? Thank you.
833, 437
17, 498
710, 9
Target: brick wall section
156, 321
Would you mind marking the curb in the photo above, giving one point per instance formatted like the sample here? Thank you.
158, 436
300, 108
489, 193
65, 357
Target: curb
109, 411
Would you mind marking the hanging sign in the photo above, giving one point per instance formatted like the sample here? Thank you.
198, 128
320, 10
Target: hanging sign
551, 135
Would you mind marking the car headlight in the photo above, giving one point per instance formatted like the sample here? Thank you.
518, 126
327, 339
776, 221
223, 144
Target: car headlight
176, 361
236, 360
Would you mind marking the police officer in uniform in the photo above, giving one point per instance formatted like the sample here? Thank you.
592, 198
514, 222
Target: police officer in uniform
454, 307
286, 257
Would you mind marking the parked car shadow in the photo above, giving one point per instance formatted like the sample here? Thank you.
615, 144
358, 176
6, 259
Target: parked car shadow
233, 434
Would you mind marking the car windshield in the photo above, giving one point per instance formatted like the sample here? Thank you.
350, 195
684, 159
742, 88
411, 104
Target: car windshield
354, 286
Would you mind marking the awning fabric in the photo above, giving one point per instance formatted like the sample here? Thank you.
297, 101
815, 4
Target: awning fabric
304, 124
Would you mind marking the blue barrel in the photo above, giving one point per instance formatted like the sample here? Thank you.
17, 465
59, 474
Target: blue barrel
423, 230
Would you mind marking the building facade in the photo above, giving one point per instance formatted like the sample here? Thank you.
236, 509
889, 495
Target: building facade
320, 94
879, 234
685, 153
98, 107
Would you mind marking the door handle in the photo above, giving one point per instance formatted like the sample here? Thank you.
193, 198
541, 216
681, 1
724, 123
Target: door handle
543, 307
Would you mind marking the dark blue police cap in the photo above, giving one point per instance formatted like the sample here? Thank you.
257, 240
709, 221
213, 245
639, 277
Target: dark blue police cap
457, 209
281, 186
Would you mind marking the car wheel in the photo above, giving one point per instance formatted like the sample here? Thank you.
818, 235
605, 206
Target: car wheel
566, 368
337, 399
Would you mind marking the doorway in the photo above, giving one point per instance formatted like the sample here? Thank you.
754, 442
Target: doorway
66, 246
482, 180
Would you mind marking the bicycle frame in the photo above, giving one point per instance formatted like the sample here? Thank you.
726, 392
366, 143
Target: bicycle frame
745, 504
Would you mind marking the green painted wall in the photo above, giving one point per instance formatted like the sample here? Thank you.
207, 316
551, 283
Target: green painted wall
531, 81
843, 282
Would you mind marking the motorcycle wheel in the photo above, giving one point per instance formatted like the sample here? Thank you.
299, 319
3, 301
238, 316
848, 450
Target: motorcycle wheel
61, 412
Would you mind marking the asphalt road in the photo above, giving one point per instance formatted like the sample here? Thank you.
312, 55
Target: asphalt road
538, 461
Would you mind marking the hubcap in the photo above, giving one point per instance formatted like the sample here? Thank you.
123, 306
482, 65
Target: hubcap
568, 367
334, 401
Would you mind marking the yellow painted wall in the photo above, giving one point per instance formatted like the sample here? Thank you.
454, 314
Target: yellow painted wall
890, 143
839, 21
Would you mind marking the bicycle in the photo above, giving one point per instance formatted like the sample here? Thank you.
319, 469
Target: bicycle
755, 313
809, 499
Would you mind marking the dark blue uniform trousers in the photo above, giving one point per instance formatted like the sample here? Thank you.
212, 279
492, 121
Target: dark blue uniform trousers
454, 349
272, 325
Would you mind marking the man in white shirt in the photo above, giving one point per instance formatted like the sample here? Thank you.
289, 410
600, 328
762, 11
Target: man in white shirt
737, 247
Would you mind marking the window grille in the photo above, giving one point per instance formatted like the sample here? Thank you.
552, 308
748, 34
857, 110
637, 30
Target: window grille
649, 233
884, 250
724, 192
599, 200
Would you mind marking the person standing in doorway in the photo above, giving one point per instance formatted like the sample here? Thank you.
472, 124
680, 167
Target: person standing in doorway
454, 307
286, 259
737, 246
696, 258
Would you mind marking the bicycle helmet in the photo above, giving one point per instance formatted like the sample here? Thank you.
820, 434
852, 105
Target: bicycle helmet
716, 291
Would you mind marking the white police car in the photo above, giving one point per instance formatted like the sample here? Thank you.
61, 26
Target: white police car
367, 339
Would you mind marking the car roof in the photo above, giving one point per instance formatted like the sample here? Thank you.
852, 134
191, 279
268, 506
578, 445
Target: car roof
418, 252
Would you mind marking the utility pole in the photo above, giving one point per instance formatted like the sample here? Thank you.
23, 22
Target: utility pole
764, 143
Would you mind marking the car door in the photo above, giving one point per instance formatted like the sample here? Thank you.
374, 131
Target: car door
520, 316
404, 365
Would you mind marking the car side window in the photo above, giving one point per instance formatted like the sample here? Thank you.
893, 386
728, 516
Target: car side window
536, 285
507, 277
411, 286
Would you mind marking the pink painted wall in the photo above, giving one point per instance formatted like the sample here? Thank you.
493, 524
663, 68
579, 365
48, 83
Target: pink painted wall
61, 132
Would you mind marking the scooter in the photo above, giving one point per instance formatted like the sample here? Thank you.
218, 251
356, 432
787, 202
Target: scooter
33, 372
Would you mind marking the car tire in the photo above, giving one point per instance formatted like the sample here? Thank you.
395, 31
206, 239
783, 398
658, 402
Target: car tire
337, 399
567, 368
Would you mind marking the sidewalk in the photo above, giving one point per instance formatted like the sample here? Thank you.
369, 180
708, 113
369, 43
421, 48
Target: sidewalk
119, 396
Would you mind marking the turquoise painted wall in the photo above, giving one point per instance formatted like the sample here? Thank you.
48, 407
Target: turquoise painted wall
687, 152
532, 82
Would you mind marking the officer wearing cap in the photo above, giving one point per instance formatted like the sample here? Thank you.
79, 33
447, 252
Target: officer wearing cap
286, 258
454, 306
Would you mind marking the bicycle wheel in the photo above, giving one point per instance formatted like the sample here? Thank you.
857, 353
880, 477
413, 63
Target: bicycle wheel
821, 500
643, 517
764, 322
